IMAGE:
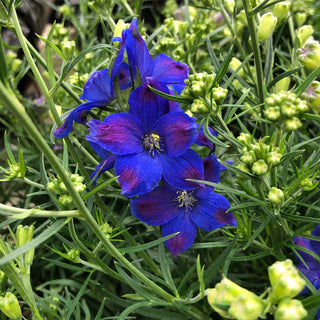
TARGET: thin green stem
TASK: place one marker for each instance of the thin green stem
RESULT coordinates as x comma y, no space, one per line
34,184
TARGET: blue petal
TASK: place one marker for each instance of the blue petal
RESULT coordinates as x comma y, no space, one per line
119,133
212,168
187,233
209,212
177,169
79,115
102,167
156,207
138,173
202,140
169,71
101,152
310,274
311,262
99,87
118,60
316,244
178,131
147,106
124,77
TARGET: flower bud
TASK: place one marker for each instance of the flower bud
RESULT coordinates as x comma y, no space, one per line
9,305
242,18
120,26
243,167
285,280
245,138
288,109
198,88
276,196
65,10
65,200
219,94
67,48
300,18
312,95
246,307
292,124
229,5
248,157
235,64
290,309
73,255
309,54
267,24
303,34
273,158
281,9
282,85
307,184
24,234
199,106
259,168
106,229
273,113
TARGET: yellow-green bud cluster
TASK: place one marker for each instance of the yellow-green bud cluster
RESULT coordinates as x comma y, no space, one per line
13,172
60,34
73,255
312,95
106,229
24,234
290,309
284,108
309,54
58,187
308,184
257,157
9,305
234,302
285,281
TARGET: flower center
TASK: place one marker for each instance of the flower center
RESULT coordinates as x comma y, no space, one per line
151,142
185,199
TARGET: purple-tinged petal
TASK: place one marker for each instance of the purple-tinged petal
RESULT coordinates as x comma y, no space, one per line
310,274
211,168
124,76
177,169
99,87
79,115
138,173
119,133
138,53
209,213
147,106
102,167
119,58
169,71
101,152
174,106
178,87
156,207
316,244
202,140
311,262
187,233
223,167
178,131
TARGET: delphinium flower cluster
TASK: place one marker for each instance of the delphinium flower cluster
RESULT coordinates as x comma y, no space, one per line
150,144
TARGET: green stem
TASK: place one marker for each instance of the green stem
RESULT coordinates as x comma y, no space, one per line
34,184
15,106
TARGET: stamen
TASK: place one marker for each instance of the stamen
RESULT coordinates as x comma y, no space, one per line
185,199
152,142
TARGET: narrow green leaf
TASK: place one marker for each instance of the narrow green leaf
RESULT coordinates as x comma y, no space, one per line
169,96
124,314
307,81
3,64
200,272
51,45
224,68
8,149
281,76
49,59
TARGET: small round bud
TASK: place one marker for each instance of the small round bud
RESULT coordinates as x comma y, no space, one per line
282,85
9,305
288,110
304,33
290,309
281,9
267,24
273,113
300,18
199,106
242,18
245,138
66,201
292,124
235,63
312,95
73,255
307,184
276,196
309,54
248,157
67,48
259,168
65,10
273,158
219,94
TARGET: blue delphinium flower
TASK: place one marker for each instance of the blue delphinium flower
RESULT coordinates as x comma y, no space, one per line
181,210
149,142
99,91
310,266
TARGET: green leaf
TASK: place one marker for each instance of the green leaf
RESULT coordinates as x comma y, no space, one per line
51,45
224,68
8,149
281,76
200,272
3,64
124,314
169,96
307,81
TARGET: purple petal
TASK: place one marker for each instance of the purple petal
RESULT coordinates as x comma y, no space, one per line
101,152
102,167
187,233
209,213
138,53
311,275
311,262
212,168
79,115
99,87
147,106
202,140
119,133
169,71
118,60
177,169
124,76
155,207
138,173
178,131
316,244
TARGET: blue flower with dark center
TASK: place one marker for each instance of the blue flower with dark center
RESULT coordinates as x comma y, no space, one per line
149,142
309,265
99,91
183,210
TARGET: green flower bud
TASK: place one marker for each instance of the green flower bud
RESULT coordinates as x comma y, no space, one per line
235,64
282,85
303,34
24,234
300,18
273,158
3,278
67,48
290,309
246,307
53,186
219,94
65,10
106,228
199,106
312,95
73,255
245,138
9,305
285,280
307,184
281,9
259,168
248,157
273,113
243,167
120,26
288,110
63,188
267,24
309,54
65,200
229,5
292,124
198,88
242,18
276,196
